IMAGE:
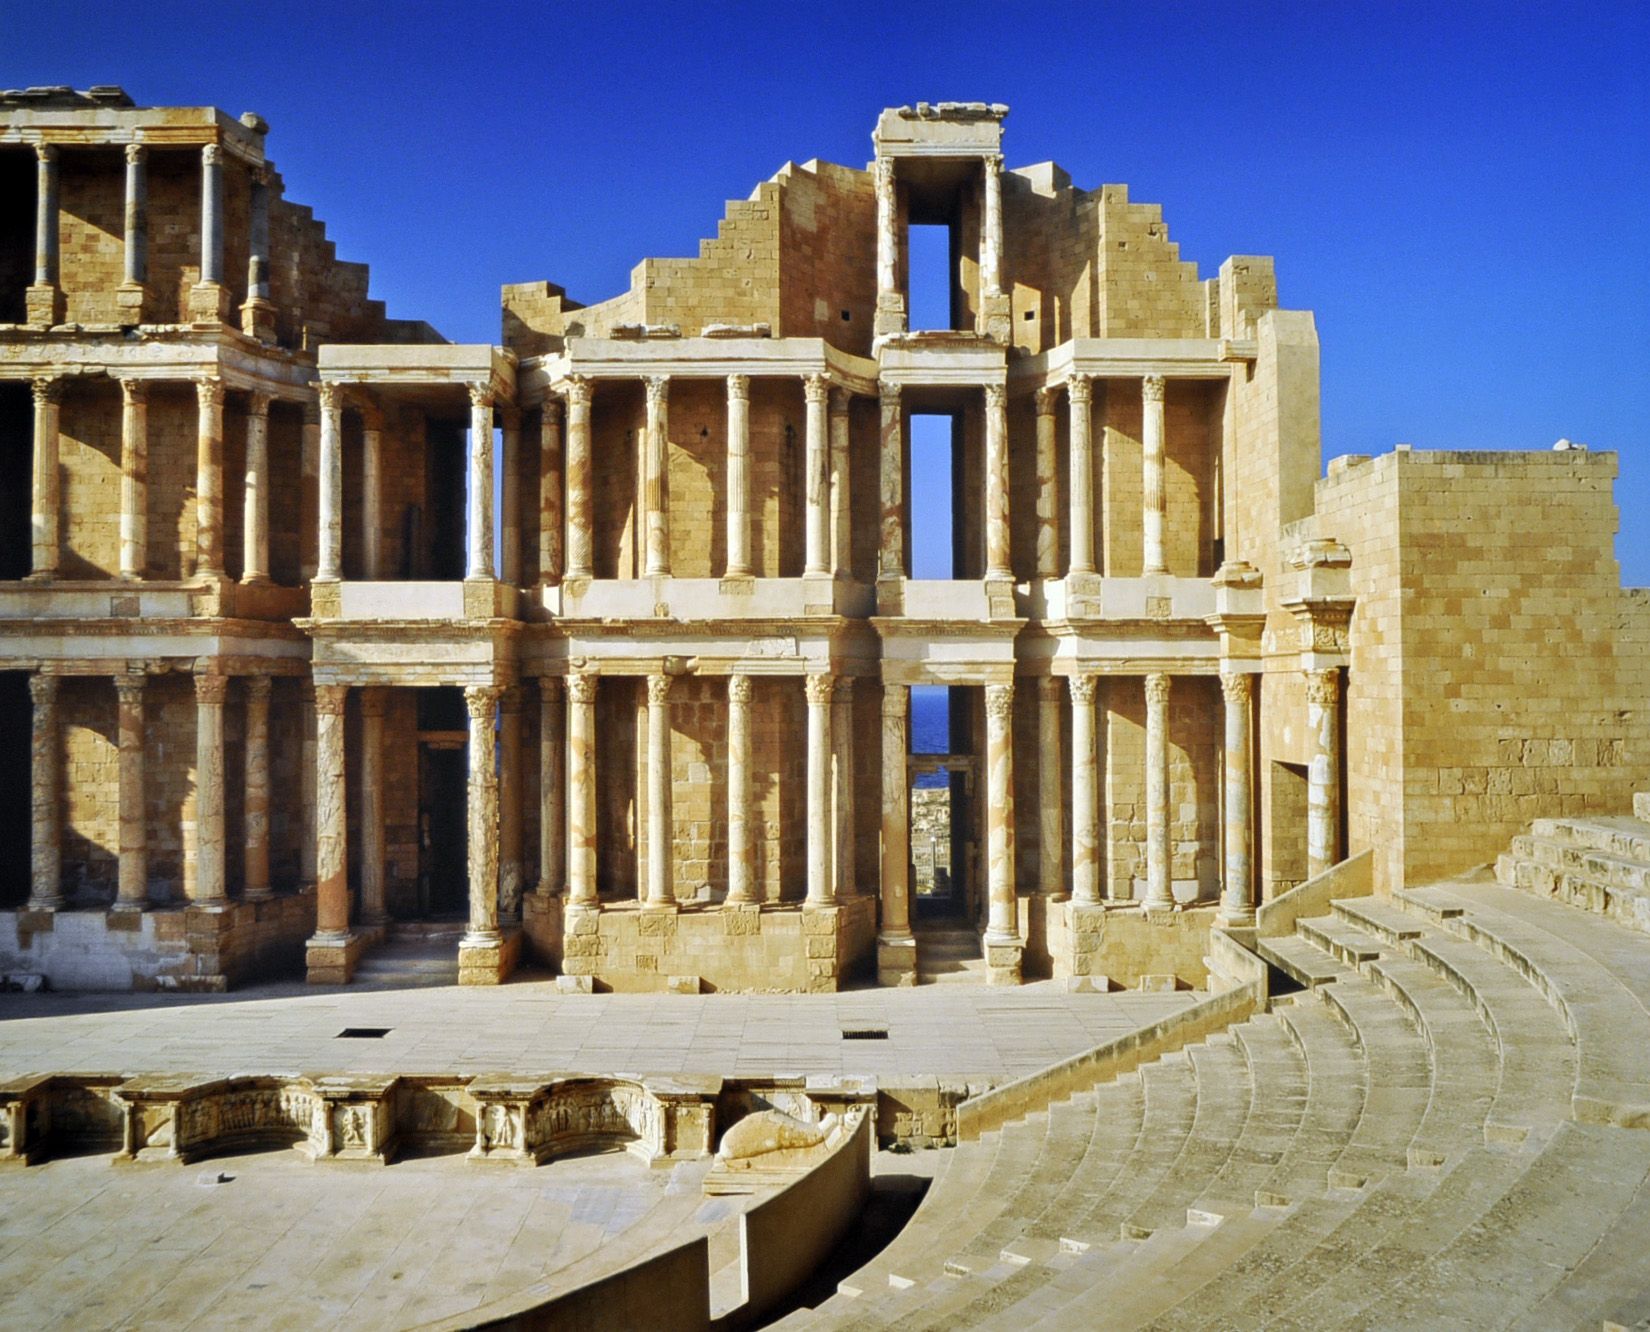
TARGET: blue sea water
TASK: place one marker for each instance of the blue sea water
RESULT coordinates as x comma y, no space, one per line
930,727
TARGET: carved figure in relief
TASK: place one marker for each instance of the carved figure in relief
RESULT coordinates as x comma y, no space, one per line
771,1139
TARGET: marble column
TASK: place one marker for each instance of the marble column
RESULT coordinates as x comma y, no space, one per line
656,479
843,877
310,487
480,514
579,519
132,891
1159,891
842,523
509,796
135,264
258,314
816,464
1085,792
1080,394
896,814
739,478
998,559
1048,474
581,791
372,494
255,862
209,478
46,778
991,227
1323,773
510,497
45,216
818,690
1002,925
741,852
481,701
210,692
373,704
331,833
255,514
1050,791
134,477
888,292
550,503
45,494
1152,463
660,840
330,566
891,547
212,214
552,793
1237,898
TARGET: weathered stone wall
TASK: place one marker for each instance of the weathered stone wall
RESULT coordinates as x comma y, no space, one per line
827,255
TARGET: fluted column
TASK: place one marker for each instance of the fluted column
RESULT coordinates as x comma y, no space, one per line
1080,394
842,525
134,477
1323,773
896,813
578,543
331,831
891,546
46,796
739,478
581,791
45,215
1048,473
741,853
1159,892
991,228
210,692
552,792
998,560
510,497
481,701
212,214
209,478
132,890
255,863
818,690
509,796
656,479
372,807
843,876
135,263
330,507
1002,925
44,489
1152,463
480,516
660,841
255,517
888,293
1050,790
372,494
1085,791
1237,898
816,462
550,495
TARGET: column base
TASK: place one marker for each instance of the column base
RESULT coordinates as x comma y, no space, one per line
329,959
818,593
889,320
1242,918
258,318
208,303
896,961
484,960
43,304
999,597
890,595
1002,961
129,300
995,319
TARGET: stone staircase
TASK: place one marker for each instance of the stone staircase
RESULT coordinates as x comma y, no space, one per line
1442,1128
949,957
1599,863
412,955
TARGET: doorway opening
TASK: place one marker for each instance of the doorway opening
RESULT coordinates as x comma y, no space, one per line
943,796
16,465
445,487
17,186
443,802
1286,829
16,727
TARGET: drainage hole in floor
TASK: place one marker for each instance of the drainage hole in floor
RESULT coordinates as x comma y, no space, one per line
865,1033
361,1033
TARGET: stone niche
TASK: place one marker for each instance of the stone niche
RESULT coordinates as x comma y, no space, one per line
527,1121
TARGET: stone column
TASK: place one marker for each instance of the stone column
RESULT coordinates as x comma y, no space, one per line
331,840
998,561
842,523
509,796
372,494
1151,444
135,268
843,877
256,860
212,214
890,305
1237,899
132,893
255,515
134,477
739,478
258,314
816,462
577,545
480,517
550,507
1323,773
1002,927
552,794
581,791
656,479
1050,791
1080,391
1085,791
660,891
991,228
209,478
45,493
44,300
46,783
1159,892
1048,472
309,489
741,866
330,566
818,690
210,691
482,703
510,497
891,558
896,813
372,807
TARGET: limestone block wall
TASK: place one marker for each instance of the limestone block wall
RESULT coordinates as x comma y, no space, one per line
1192,445
1276,455
1050,256
827,264
1145,290
91,230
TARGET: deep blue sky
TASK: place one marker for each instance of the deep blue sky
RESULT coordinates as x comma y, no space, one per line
1458,190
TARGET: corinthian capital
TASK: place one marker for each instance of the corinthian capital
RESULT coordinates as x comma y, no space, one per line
996,397
1083,689
481,701
817,689
1237,688
739,689
1323,688
1151,388
658,689
999,703
581,688
577,389
1158,686
816,388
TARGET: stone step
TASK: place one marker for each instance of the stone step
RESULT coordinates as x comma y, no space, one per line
1398,1087
1605,866
1598,895
1346,943
1301,960
1618,835
1378,917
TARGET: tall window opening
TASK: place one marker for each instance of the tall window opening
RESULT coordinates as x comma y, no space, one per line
931,276
934,458
17,188
16,467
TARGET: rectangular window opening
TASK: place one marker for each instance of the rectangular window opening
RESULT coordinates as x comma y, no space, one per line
933,495
930,277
